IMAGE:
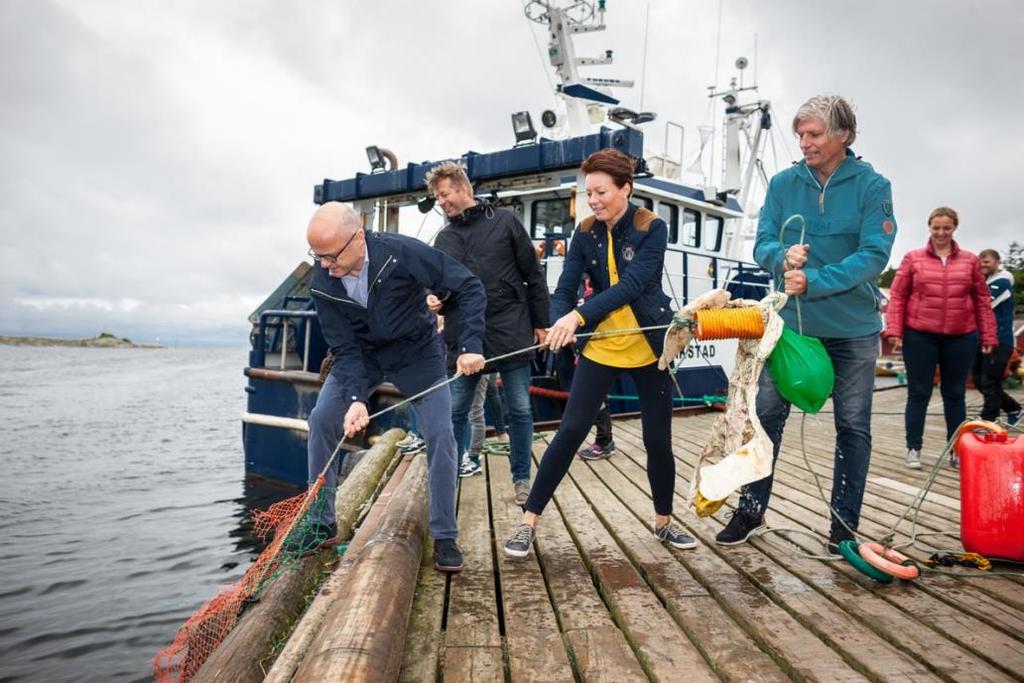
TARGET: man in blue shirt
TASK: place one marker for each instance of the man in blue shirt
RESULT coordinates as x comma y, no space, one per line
847,210
989,368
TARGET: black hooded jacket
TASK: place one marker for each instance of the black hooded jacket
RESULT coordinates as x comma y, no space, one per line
494,246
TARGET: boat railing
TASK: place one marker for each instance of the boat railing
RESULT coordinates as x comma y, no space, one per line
743,279
280,320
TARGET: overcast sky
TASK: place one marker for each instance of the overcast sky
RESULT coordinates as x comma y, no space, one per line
158,158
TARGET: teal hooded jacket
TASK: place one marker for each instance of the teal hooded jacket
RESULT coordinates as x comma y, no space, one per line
850,229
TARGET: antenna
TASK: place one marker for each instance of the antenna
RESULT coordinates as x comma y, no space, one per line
755,60
643,69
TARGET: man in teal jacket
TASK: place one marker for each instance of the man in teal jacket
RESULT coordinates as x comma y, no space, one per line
831,261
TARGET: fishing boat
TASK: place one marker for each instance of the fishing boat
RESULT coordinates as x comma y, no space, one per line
711,231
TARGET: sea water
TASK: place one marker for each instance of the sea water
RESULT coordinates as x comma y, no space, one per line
123,503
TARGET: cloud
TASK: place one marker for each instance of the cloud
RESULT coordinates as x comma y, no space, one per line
165,154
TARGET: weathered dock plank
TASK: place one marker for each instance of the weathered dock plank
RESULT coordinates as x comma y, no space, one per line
601,600
472,641
662,647
423,640
794,483
793,647
723,643
936,628
600,650
869,652
536,651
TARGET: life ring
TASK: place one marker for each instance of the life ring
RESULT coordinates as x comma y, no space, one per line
889,562
848,549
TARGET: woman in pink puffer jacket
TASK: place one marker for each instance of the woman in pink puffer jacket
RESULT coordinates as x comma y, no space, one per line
938,308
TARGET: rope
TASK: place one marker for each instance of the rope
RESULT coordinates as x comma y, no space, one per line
446,382
730,323
706,399
886,540
803,234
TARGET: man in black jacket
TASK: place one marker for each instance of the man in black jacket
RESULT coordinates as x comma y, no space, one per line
493,244
369,298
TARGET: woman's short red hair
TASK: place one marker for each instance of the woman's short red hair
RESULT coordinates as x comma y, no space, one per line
619,166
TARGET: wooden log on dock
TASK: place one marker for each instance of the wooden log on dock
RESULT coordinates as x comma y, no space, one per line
294,651
245,653
363,636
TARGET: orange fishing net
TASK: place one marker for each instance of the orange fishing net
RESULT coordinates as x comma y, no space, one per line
210,624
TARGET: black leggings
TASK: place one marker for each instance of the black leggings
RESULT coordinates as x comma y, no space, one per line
590,386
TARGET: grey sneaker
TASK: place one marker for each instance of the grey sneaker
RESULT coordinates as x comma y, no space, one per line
469,467
411,444
522,488
518,544
914,458
1013,419
673,534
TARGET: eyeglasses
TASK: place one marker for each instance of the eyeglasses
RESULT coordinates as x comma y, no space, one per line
331,259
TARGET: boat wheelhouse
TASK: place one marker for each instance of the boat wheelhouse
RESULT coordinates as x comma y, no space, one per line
539,180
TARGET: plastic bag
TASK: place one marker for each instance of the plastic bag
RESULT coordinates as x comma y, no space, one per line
802,371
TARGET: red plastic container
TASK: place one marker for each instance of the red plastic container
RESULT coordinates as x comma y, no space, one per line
992,495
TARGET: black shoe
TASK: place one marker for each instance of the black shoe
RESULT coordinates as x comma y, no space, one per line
308,537
447,556
837,536
741,527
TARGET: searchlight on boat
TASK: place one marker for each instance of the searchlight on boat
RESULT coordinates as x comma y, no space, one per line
522,126
380,158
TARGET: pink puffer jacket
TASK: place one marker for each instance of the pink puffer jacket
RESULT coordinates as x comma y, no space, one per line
952,299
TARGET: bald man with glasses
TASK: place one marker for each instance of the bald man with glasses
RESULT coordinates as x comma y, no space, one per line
370,297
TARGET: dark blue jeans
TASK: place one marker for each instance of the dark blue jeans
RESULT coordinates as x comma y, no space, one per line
516,381
954,355
495,405
854,363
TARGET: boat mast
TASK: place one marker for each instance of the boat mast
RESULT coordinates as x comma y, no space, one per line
585,101
751,121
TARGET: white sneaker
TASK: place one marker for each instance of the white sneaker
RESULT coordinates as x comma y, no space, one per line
914,459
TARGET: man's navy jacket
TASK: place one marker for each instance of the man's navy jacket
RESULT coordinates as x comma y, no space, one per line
395,336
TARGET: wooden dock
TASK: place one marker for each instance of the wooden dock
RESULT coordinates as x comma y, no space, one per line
600,599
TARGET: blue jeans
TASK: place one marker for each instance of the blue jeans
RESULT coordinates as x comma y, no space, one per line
954,355
516,380
854,363
486,396
432,411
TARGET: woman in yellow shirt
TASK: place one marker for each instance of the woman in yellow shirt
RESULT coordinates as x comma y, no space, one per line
622,249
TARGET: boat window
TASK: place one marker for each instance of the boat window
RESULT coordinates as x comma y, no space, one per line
713,232
550,215
691,228
670,214
645,202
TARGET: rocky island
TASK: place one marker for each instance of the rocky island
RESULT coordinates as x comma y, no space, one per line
104,340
